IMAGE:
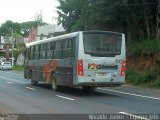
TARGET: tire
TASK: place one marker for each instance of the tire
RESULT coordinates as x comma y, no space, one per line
30,75
34,82
54,85
89,88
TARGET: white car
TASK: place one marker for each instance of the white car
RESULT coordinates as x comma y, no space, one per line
5,66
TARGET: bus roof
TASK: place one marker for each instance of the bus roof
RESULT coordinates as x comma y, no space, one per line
99,31
69,35
52,39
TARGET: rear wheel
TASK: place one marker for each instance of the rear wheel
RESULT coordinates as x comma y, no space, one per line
34,82
54,85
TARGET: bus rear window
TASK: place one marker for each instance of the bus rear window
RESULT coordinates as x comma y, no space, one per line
102,44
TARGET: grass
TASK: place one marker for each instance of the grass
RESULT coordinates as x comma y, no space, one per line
146,79
144,47
18,68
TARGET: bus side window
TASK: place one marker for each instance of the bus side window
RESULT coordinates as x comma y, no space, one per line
43,51
52,46
49,53
48,46
64,51
71,48
58,50
31,52
36,52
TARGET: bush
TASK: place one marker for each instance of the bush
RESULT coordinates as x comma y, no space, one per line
137,78
135,50
18,68
157,82
150,76
144,47
134,77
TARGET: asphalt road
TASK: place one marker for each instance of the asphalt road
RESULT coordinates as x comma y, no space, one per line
18,96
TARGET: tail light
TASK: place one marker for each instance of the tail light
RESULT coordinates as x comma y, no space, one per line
80,69
123,69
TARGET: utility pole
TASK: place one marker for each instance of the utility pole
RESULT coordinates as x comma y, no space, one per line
158,20
12,49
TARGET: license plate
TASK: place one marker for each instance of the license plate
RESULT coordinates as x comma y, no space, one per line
103,75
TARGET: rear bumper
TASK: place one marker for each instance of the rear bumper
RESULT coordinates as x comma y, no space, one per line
101,84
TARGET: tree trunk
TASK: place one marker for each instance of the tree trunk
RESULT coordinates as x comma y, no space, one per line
146,22
7,52
147,26
158,21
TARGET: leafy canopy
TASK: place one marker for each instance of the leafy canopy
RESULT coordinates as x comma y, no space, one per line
136,18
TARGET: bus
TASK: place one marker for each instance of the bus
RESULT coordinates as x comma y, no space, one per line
87,59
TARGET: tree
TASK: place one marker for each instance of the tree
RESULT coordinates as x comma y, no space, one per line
83,14
135,18
21,47
9,27
69,13
39,19
26,27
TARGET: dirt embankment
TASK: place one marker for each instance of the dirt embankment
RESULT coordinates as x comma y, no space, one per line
144,62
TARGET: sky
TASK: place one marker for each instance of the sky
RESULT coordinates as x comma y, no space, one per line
25,10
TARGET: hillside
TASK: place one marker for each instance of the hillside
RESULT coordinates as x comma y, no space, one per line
143,63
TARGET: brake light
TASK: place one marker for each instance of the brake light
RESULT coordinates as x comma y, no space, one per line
123,69
80,68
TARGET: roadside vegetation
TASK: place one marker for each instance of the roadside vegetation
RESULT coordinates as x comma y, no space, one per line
146,75
18,68
144,47
146,79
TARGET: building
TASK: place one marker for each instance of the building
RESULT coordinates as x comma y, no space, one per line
5,47
32,35
46,31
25,40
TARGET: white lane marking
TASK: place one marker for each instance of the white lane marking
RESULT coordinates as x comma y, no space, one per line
13,73
134,117
65,97
31,88
9,82
132,94
16,74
